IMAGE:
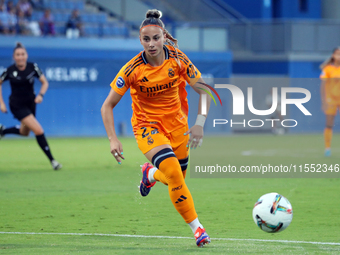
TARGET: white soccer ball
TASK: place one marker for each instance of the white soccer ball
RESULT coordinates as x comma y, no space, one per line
272,213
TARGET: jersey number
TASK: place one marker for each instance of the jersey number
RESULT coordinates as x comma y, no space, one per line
153,131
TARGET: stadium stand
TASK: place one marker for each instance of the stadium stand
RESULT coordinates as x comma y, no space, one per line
95,21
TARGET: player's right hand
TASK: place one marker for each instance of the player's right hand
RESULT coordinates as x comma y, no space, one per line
117,150
3,108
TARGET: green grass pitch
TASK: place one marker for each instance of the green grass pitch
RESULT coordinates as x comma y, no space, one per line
94,195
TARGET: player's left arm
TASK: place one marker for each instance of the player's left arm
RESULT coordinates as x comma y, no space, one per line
196,131
43,89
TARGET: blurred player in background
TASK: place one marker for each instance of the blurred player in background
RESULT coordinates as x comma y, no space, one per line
330,94
157,78
23,100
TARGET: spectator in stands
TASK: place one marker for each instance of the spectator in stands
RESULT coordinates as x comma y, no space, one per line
22,24
4,24
47,23
10,5
3,6
74,25
12,21
26,7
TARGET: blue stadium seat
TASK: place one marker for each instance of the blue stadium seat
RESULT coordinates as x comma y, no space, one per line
85,18
101,18
88,30
115,31
91,30
60,30
106,31
79,5
92,18
96,30
36,16
70,5
52,5
61,5
66,16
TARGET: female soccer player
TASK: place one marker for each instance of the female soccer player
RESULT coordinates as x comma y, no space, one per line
157,77
23,100
330,94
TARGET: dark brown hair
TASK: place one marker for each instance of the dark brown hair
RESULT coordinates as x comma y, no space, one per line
19,45
329,60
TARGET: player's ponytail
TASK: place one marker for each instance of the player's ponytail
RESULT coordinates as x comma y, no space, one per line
153,19
329,60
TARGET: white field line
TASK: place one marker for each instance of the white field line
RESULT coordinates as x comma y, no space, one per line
169,237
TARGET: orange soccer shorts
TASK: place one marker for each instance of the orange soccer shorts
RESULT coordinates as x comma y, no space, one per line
150,137
332,105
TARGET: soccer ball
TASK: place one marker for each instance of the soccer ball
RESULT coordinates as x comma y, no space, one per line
272,213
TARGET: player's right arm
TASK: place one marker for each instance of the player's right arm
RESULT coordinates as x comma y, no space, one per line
115,145
2,103
119,86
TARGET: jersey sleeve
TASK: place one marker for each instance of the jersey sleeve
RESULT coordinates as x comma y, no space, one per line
188,71
325,73
121,82
37,70
4,75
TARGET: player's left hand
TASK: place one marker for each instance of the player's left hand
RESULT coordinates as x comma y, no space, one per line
196,137
38,99
3,108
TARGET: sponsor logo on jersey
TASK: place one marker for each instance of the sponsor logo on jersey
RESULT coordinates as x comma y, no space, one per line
171,72
120,82
157,88
191,71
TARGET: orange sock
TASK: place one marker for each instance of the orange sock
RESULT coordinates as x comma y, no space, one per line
159,176
328,137
171,174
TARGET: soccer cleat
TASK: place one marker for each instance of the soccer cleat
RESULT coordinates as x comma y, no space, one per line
145,185
56,165
327,152
202,237
2,128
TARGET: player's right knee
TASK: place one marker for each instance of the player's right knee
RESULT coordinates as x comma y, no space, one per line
165,160
162,155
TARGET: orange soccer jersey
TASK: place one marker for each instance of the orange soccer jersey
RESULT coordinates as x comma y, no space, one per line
331,74
158,93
